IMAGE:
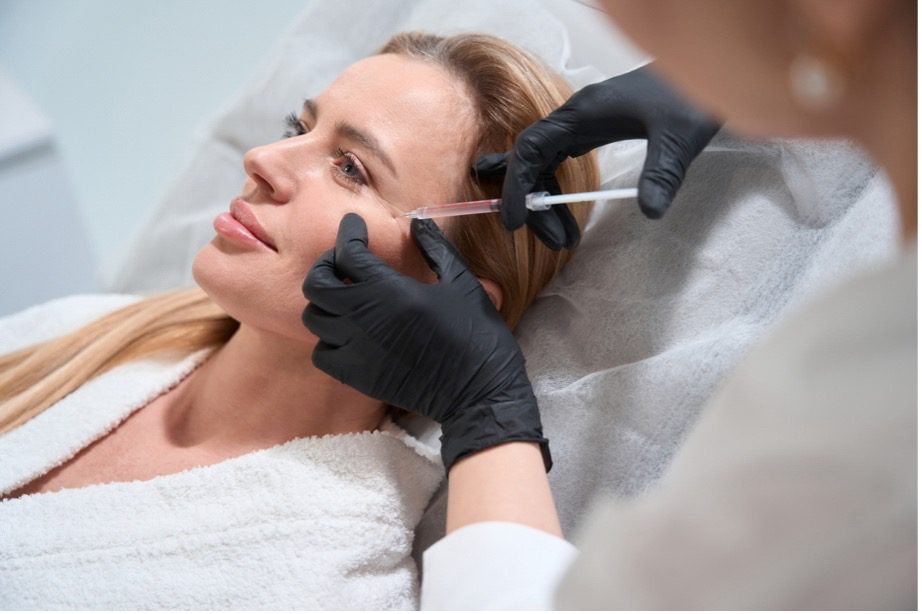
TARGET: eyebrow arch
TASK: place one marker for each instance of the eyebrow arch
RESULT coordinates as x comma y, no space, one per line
350,132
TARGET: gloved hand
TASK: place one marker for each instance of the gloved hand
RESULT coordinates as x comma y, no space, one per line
440,350
635,105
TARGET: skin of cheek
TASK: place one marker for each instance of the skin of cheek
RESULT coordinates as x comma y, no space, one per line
246,285
389,235
263,289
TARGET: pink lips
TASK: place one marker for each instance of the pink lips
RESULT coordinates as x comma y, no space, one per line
242,227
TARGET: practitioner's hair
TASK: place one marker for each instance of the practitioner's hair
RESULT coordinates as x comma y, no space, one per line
509,88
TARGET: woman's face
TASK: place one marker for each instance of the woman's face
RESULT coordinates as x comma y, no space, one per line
389,135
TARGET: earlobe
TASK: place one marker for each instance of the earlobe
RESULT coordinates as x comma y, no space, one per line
493,291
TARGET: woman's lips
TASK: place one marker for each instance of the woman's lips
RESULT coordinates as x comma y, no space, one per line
242,227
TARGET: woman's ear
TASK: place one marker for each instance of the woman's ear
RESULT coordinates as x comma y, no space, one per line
493,291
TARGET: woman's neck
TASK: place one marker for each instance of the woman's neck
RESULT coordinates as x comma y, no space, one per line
260,390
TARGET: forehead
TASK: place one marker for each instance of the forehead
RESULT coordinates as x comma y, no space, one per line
421,115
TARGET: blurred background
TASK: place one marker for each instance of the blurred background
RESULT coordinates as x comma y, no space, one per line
100,101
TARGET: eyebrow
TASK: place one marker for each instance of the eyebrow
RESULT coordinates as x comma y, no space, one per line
350,132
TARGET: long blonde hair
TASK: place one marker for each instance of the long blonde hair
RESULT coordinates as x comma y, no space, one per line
510,89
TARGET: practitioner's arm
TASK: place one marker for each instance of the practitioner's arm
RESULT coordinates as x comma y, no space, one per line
443,351
504,483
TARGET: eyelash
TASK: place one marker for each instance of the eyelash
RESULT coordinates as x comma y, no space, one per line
296,128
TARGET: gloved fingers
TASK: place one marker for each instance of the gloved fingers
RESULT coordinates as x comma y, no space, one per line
438,251
547,182
344,362
321,278
538,151
329,328
353,259
490,166
324,287
662,174
555,227
569,225
671,149
325,358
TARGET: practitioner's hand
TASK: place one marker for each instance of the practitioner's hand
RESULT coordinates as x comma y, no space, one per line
440,350
635,105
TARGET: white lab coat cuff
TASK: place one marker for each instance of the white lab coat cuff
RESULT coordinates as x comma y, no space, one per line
496,566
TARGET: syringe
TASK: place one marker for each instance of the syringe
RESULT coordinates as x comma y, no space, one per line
536,201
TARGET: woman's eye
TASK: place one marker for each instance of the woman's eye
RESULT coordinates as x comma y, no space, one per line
295,127
349,167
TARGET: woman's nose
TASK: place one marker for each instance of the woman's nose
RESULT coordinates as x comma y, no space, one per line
270,168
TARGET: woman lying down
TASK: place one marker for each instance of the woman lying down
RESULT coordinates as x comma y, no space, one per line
182,451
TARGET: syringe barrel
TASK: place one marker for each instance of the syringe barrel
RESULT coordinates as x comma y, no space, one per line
456,209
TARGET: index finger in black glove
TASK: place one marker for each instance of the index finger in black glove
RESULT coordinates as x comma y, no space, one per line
353,258
667,161
349,260
439,253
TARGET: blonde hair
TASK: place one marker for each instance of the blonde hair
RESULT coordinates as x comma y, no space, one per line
510,90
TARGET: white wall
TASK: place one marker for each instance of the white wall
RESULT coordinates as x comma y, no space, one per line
125,85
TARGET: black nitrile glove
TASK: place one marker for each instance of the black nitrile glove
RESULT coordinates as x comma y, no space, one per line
440,350
635,105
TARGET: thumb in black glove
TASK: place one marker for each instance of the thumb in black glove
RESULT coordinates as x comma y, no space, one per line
440,350
635,105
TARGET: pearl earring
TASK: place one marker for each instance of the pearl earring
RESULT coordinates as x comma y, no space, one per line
816,84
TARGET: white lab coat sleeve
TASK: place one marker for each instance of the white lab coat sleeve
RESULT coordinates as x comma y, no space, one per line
494,566
797,488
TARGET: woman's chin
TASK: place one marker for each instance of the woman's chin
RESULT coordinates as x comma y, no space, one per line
201,266
252,300
213,275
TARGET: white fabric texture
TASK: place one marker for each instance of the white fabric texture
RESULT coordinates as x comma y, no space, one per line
628,343
796,490
315,523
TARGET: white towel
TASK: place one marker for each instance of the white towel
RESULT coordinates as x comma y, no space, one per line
315,523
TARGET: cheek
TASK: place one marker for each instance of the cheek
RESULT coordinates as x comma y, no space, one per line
263,290
393,243
254,289
389,238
